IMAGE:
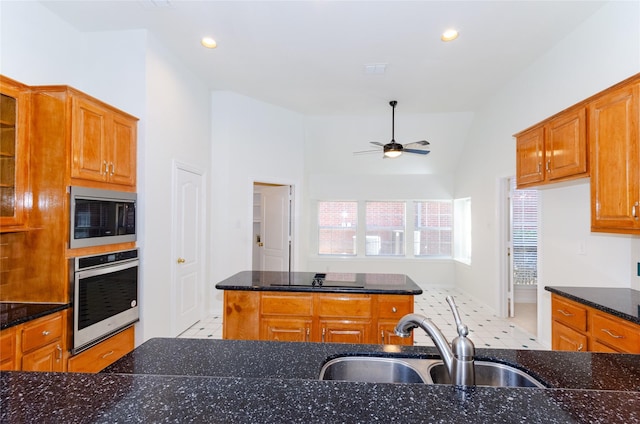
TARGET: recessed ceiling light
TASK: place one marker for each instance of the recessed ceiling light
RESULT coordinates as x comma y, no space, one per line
209,43
449,35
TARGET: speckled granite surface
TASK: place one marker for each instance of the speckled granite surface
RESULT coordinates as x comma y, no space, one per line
333,283
14,313
225,381
620,302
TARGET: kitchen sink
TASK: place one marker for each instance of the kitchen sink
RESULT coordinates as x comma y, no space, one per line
487,374
373,369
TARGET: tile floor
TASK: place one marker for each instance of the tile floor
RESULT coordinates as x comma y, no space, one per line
486,330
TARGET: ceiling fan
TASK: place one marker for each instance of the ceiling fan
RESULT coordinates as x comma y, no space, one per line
393,149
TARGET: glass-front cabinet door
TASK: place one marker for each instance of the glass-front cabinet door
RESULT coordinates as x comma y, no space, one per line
14,159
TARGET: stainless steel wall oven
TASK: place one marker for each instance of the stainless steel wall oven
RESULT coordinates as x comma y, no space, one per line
105,298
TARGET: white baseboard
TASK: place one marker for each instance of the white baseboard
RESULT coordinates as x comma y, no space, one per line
526,294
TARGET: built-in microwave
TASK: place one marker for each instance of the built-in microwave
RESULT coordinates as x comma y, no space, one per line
100,217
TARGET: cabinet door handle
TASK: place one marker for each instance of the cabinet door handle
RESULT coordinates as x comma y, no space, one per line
615,336
634,210
580,347
548,165
323,332
46,333
113,168
106,168
58,352
307,338
566,314
382,336
539,167
107,354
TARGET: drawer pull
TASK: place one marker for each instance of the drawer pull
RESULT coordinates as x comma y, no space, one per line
394,309
46,333
107,354
615,336
566,314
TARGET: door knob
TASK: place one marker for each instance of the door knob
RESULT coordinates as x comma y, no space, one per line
181,260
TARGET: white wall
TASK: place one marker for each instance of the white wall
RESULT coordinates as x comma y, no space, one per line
251,141
130,71
604,50
335,173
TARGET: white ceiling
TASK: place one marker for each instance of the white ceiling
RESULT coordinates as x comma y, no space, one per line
309,56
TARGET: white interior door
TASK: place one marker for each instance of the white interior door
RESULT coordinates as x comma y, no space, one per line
275,252
187,285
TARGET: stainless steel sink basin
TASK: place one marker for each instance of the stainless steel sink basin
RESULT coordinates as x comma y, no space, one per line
374,369
488,374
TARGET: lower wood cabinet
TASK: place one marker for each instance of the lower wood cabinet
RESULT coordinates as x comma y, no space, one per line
314,317
103,354
578,327
37,345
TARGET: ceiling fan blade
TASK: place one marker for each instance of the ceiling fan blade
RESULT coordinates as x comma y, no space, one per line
376,143
418,151
364,152
421,143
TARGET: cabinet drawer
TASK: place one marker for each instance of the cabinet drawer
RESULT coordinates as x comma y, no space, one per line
103,354
41,332
344,306
616,333
394,307
569,313
283,304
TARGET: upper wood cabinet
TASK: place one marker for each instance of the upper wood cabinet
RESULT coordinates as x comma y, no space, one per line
14,154
554,150
100,139
614,118
103,143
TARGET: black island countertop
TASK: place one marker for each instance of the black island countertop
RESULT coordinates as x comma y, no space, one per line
332,282
620,302
14,313
227,381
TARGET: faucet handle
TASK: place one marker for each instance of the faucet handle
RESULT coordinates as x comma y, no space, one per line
463,330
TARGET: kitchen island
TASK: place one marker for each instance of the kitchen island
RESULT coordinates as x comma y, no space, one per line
225,381
316,307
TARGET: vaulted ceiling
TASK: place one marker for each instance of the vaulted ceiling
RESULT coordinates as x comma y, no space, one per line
312,56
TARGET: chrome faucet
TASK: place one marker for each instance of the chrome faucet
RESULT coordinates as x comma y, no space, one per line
457,357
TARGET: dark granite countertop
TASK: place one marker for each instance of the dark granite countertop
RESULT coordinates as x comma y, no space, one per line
224,381
14,313
331,283
621,302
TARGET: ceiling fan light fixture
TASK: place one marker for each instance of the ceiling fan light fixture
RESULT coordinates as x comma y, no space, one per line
392,153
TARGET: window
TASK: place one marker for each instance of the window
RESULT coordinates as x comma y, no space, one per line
385,227
524,234
462,230
337,224
432,235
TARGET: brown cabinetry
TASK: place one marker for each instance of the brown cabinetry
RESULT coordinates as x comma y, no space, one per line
14,154
37,345
103,354
614,121
579,327
315,317
554,150
103,143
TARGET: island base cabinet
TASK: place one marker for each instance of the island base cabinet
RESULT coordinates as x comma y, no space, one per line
314,317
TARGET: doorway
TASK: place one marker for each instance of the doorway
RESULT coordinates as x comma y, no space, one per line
187,282
272,227
520,246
